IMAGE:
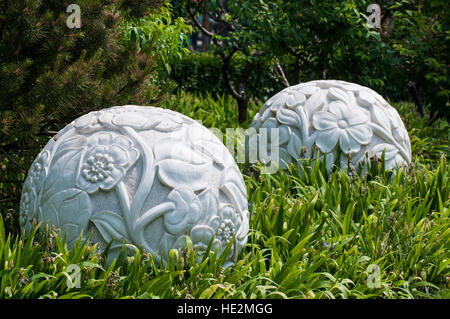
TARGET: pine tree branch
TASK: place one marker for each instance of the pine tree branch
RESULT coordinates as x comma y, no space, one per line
11,181
13,160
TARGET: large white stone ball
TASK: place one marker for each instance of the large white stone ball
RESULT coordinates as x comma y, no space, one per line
141,175
322,117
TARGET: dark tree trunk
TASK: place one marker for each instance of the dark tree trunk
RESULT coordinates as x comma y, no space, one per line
417,98
240,94
242,110
239,91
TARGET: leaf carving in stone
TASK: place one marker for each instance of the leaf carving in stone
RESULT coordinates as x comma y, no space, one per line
288,117
111,226
58,210
379,117
294,146
305,89
173,173
294,99
334,114
186,213
314,103
338,94
389,151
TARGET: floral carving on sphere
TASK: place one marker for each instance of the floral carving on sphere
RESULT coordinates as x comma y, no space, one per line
322,117
106,159
139,175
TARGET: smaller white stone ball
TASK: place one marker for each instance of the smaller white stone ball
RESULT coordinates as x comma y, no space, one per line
322,117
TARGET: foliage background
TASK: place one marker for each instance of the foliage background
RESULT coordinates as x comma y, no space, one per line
321,39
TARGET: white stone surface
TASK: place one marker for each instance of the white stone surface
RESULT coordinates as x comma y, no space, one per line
143,175
326,115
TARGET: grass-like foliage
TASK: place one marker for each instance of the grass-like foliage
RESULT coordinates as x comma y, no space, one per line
311,236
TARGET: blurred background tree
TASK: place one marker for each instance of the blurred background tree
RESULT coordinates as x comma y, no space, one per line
255,48
420,36
295,40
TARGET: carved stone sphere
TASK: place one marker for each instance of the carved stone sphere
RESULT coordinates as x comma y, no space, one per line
145,176
343,121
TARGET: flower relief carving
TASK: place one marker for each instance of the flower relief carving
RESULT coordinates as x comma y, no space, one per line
106,159
142,175
327,115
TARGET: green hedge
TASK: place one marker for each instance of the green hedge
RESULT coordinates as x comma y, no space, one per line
201,72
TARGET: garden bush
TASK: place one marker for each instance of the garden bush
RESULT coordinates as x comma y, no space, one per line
201,72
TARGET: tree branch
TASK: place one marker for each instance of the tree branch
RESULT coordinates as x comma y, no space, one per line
217,19
279,71
226,74
198,24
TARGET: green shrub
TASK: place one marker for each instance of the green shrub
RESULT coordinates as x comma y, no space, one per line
201,72
218,111
428,142
420,39
159,34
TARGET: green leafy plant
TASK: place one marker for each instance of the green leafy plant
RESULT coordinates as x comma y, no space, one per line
200,72
161,35
419,35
